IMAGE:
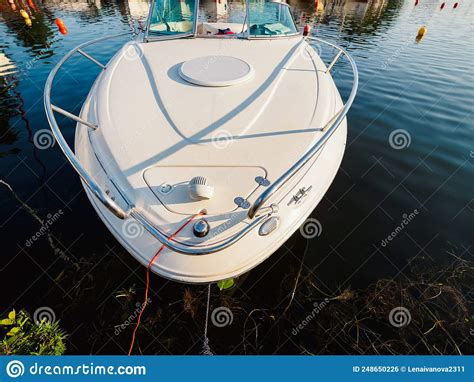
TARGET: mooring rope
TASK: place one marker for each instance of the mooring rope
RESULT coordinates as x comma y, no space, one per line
206,349
145,303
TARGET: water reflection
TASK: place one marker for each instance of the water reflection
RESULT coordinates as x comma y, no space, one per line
8,105
423,88
36,35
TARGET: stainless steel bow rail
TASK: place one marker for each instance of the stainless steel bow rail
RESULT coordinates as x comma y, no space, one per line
337,119
256,213
51,109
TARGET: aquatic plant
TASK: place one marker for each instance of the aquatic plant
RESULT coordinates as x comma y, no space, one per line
22,336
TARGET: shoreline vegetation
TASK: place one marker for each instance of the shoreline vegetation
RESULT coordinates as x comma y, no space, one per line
426,310
433,315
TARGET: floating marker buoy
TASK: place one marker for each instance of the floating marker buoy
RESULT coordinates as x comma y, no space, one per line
62,28
421,33
306,30
442,5
455,5
31,3
318,6
11,1
24,14
416,3
26,17
59,23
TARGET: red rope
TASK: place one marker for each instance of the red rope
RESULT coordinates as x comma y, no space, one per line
142,309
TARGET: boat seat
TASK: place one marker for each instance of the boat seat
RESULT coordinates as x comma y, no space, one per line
213,28
174,26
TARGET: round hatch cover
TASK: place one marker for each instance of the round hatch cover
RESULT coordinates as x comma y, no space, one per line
216,71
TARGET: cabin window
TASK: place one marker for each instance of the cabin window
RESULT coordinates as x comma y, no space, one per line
171,17
270,18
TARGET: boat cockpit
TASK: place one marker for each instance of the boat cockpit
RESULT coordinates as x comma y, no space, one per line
222,19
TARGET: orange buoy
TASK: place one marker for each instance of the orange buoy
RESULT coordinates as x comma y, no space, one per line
59,23
31,3
61,26
455,5
442,5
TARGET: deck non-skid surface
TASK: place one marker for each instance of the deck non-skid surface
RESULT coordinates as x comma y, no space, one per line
149,117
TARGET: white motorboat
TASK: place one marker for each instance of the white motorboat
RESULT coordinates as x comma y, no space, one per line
215,132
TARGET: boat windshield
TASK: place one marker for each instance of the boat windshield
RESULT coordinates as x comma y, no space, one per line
221,18
270,18
172,17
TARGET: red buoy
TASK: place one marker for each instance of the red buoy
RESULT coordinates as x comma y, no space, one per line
306,30
62,28
316,4
59,23
442,5
455,5
416,3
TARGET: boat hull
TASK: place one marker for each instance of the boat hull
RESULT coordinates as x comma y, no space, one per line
252,249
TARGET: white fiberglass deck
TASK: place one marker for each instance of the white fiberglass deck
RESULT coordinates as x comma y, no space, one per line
150,117
156,128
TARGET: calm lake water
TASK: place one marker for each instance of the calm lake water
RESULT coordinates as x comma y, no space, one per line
410,148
